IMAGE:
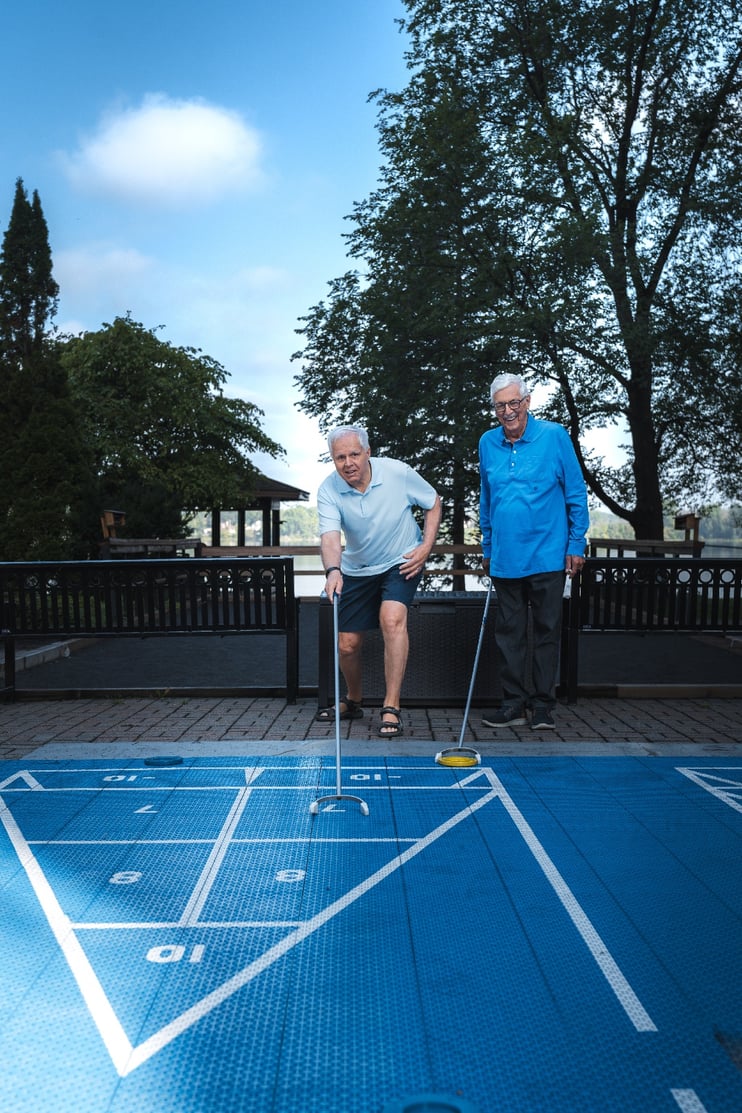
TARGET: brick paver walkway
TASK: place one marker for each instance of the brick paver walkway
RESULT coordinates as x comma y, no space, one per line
270,725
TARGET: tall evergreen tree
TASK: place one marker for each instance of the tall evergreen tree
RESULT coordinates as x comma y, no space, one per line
42,459
28,301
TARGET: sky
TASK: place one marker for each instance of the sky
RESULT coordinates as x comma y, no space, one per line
196,164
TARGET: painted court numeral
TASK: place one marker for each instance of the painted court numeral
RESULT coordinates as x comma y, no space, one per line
125,877
291,875
175,952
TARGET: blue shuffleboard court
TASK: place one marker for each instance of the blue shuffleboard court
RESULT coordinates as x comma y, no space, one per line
534,934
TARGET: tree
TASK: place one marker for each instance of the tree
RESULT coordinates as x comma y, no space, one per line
164,437
600,213
29,293
408,344
42,459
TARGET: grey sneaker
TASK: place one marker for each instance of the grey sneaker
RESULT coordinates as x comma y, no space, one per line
505,716
541,719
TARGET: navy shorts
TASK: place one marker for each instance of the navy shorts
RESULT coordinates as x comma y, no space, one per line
362,596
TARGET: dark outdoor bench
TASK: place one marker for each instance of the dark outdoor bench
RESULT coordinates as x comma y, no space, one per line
148,598
649,595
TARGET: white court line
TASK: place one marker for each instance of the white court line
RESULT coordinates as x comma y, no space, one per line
127,1058
161,788
124,1056
120,842
27,780
167,789
236,769
212,1000
209,873
147,925
136,841
629,1001
113,1035
707,782
688,1101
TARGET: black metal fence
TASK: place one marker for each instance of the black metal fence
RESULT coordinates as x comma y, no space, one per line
145,598
649,594
255,595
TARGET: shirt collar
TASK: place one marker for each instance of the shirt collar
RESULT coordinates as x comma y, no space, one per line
526,435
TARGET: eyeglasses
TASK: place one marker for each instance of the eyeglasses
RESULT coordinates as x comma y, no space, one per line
514,404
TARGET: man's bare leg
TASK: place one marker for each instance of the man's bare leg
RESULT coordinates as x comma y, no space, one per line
350,646
393,622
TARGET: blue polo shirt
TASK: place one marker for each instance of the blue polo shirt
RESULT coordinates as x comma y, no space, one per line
378,523
533,501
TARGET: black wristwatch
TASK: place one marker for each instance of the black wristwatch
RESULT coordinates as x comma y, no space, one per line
333,568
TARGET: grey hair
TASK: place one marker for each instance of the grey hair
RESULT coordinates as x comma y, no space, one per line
508,379
347,431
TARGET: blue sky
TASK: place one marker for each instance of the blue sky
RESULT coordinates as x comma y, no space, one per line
195,163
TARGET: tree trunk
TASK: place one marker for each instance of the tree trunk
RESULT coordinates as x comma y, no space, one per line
458,523
647,515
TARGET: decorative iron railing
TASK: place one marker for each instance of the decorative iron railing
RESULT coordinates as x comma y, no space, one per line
144,598
649,594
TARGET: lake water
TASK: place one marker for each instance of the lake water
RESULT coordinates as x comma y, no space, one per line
310,583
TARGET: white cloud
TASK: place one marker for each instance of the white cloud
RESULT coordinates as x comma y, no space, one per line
167,152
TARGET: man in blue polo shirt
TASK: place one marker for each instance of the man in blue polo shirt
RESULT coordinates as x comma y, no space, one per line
534,520
370,500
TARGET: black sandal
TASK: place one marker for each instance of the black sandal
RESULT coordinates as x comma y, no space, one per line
391,730
353,710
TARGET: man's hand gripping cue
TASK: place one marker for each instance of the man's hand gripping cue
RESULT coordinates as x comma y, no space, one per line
573,565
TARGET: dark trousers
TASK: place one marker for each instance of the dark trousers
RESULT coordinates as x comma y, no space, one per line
543,593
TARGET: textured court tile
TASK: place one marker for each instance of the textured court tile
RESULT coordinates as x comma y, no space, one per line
538,933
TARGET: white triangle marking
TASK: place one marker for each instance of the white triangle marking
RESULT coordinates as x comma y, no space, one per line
25,777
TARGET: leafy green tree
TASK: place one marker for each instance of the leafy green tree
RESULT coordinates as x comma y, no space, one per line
164,437
299,525
42,458
589,154
406,350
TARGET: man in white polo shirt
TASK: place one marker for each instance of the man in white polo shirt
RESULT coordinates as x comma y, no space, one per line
370,499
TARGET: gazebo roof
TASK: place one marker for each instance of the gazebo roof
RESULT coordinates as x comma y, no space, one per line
267,488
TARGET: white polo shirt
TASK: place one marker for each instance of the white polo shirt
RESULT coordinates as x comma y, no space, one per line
378,523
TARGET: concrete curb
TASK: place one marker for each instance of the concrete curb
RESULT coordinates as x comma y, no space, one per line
51,651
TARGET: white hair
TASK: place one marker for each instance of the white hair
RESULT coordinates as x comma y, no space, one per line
508,379
347,431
